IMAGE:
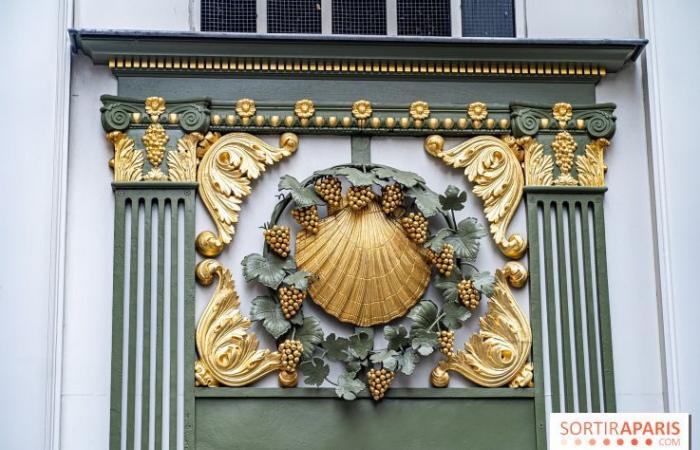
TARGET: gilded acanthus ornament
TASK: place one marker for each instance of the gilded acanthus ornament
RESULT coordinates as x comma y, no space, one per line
128,162
538,166
562,112
498,353
227,352
224,175
304,109
564,147
493,168
245,108
419,110
591,166
477,111
182,164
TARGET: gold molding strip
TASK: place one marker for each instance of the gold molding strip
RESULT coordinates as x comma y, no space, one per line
285,65
498,353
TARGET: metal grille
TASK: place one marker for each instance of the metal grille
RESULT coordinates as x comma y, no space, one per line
359,17
294,16
236,16
423,18
485,18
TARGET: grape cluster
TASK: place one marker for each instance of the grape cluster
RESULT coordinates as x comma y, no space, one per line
278,239
307,217
446,340
445,260
290,352
290,300
330,191
360,196
416,227
392,197
379,381
468,294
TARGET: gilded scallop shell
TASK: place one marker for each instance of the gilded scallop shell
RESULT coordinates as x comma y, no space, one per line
369,272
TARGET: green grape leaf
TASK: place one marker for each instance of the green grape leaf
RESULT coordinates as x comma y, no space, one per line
448,286
360,345
297,319
348,386
302,196
357,177
365,330
408,179
484,282
424,341
453,199
310,334
455,314
335,347
396,337
268,270
407,361
436,242
387,358
424,314
299,279
268,311
353,365
427,201
315,371
466,240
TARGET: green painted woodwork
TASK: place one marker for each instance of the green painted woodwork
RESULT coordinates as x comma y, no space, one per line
475,418
608,53
329,423
145,200
565,295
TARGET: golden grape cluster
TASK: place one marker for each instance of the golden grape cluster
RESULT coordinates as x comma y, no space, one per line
278,239
392,197
416,227
330,191
468,294
379,381
290,300
446,340
307,217
290,353
445,260
360,196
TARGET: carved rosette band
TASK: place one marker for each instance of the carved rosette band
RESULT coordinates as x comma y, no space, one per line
498,353
228,352
494,169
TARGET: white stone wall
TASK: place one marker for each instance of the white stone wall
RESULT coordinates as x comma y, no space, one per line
651,197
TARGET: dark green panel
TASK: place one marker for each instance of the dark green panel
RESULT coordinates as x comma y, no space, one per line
329,90
328,423
553,204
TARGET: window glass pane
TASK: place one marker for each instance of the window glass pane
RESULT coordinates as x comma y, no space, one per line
423,17
488,18
359,16
294,16
228,15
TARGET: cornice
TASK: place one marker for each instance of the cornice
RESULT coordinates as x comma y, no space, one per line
223,53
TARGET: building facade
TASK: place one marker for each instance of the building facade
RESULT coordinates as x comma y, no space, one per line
62,259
